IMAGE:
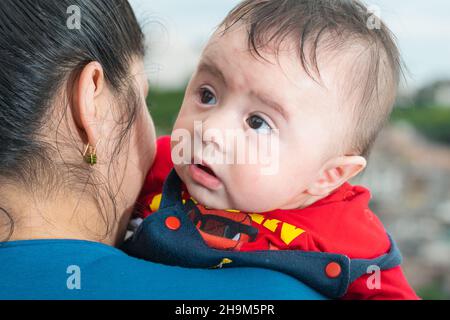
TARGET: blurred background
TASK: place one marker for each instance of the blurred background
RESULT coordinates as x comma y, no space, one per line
409,169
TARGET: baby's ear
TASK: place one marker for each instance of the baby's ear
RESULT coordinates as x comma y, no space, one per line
335,173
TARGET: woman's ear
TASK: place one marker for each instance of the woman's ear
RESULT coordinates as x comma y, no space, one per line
335,173
87,99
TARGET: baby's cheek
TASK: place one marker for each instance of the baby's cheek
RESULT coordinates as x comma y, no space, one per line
252,191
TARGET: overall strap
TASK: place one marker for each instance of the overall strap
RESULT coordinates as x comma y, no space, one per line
360,267
171,195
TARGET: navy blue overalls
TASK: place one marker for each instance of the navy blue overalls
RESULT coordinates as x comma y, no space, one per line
182,245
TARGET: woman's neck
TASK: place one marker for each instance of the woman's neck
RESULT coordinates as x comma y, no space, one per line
59,217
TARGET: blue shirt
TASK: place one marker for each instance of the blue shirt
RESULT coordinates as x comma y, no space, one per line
74,269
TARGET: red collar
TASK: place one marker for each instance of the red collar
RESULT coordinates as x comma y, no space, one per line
343,193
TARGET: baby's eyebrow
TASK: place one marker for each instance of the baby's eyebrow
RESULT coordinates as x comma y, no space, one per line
208,66
272,104
211,68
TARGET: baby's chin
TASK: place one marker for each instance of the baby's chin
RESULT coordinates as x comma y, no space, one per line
215,200
207,198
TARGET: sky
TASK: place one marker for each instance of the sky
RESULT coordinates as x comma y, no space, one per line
177,30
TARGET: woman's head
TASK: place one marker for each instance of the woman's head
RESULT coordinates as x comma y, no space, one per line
63,88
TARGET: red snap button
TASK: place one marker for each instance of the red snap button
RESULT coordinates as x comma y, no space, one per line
173,223
333,270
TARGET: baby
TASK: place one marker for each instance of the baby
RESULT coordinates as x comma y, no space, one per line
314,79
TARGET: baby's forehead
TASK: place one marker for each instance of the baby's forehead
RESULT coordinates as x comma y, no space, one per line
332,71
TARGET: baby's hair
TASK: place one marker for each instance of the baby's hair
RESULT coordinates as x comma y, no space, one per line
334,25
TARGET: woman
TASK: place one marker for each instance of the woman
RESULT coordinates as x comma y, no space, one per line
75,143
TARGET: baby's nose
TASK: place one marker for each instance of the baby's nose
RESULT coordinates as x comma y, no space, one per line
213,130
212,135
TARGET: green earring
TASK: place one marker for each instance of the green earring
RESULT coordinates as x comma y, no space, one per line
90,155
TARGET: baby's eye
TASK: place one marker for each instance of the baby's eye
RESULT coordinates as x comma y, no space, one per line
259,124
207,97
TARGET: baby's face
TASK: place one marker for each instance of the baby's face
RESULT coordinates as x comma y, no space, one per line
276,102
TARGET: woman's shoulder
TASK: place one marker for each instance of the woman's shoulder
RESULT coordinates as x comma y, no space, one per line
72,269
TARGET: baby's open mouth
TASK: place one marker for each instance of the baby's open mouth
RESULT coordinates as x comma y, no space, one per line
208,170
205,176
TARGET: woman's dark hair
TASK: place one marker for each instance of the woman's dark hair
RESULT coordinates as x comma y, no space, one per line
42,49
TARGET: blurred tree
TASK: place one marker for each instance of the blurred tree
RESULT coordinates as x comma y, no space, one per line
434,94
164,107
